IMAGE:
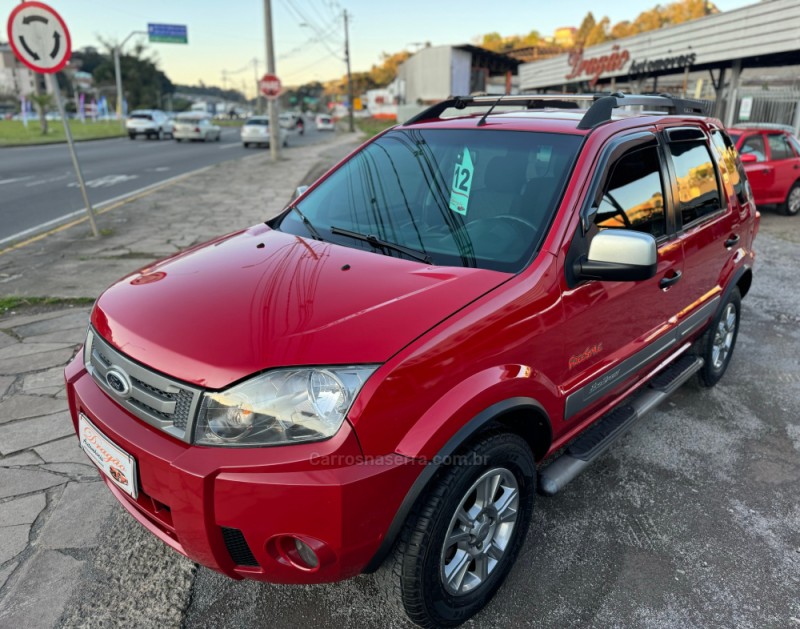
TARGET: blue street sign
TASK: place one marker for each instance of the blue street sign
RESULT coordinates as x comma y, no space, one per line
168,33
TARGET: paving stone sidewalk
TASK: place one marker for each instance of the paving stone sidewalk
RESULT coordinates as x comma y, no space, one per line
69,556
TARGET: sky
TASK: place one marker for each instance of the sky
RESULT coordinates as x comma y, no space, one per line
226,35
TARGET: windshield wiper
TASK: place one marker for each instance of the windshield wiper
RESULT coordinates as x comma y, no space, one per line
311,229
384,244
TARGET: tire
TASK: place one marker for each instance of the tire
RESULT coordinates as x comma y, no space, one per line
132,136
179,139
160,135
439,584
246,145
717,344
285,144
791,207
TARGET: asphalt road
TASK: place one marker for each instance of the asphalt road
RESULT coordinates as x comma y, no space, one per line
38,186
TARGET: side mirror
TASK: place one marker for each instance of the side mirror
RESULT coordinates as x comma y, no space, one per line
300,190
748,158
619,255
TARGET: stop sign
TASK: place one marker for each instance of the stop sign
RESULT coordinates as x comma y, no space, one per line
270,86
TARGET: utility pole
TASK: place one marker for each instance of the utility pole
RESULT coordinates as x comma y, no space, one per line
258,91
272,103
349,76
118,74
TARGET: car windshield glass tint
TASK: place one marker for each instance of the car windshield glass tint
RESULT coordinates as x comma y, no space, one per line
142,116
260,123
476,198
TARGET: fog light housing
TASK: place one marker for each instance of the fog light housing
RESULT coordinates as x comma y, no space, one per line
308,556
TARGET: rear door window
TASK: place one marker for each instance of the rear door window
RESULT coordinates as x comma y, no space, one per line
698,189
779,147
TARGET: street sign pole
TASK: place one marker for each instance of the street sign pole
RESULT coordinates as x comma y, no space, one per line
75,162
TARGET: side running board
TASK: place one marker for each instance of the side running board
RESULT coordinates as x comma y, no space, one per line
599,437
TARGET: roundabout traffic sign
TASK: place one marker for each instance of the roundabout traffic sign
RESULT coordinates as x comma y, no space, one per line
270,86
39,37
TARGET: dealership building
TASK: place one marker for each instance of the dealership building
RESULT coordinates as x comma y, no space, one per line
746,60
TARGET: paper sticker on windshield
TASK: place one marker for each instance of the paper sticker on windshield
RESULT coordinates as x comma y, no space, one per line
462,184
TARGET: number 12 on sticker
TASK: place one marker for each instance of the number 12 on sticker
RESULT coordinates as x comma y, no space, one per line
462,184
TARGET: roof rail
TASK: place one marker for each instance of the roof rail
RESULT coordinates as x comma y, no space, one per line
600,111
531,101
603,107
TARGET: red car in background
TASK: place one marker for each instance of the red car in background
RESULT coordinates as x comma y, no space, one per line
770,154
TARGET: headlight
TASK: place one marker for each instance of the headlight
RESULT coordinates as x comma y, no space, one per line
280,407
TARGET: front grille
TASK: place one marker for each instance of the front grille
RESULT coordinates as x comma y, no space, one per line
237,547
159,400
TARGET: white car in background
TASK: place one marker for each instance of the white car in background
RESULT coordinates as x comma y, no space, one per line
196,126
324,122
151,123
255,130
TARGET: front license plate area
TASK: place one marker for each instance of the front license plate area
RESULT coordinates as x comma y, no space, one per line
113,461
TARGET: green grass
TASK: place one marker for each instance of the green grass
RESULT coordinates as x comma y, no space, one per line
373,126
13,132
15,303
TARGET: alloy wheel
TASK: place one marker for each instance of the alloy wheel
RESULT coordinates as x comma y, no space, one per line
723,337
480,531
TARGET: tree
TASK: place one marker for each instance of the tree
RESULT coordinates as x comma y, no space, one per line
598,34
43,102
585,28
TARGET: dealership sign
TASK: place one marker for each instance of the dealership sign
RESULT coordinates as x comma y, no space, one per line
593,68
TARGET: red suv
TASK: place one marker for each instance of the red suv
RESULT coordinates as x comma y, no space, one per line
771,157
462,310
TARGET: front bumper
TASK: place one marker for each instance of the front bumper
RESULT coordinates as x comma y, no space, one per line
192,497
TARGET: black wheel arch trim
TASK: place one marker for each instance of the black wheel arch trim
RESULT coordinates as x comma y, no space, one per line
468,430
733,283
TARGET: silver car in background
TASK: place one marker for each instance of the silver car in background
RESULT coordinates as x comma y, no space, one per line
151,123
255,131
196,126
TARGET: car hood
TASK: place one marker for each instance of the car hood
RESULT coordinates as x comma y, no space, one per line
260,299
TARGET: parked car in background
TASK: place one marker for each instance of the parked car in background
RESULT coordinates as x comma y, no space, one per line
196,126
381,376
771,157
292,121
324,122
255,130
151,123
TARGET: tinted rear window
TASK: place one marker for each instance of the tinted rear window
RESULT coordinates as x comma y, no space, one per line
474,198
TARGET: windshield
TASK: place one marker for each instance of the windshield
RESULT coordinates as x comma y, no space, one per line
474,197
734,135
263,122
142,116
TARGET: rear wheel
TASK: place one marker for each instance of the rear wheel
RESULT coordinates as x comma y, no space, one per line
247,145
132,136
464,534
791,206
717,344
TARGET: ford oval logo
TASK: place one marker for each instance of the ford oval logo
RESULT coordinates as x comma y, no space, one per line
119,382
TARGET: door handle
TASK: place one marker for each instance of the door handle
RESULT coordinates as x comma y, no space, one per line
734,239
666,282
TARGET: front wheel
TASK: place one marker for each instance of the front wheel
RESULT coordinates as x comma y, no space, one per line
717,344
791,206
464,534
